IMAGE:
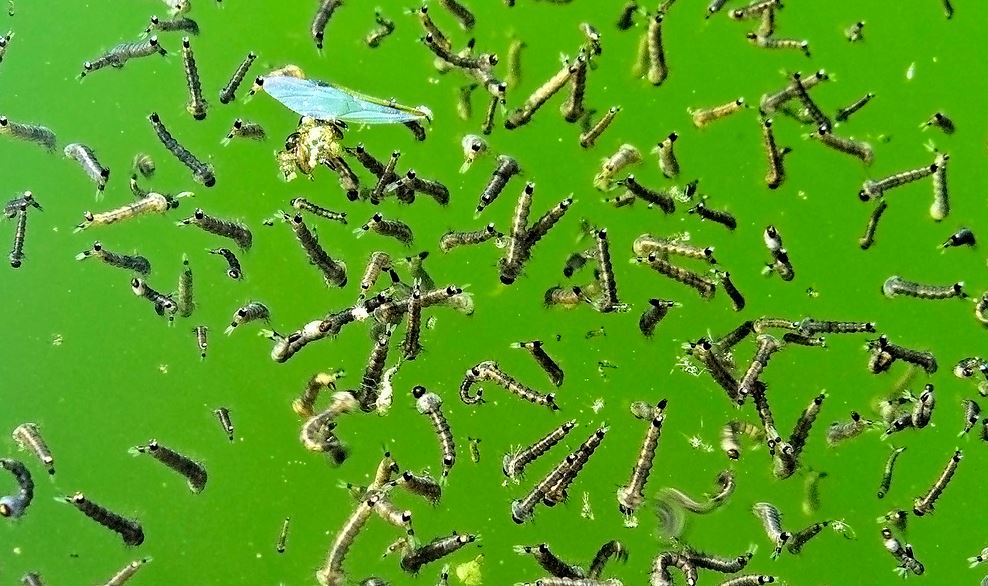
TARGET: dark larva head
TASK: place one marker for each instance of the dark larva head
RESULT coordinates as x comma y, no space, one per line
234,274
153,117
418,391
199,214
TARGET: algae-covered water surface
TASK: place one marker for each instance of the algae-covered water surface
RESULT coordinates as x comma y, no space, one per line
580,257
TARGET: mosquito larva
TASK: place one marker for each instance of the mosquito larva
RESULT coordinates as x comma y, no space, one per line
844,113
28,437
514,463
775,174
657,71
253,310
196,105
940,207
90,165
872,189
737,299
333,271
331,573
225,228
704,116
390,228
705,287
541,95
244,129
128,529
229,91
430,405
572,108
323,13
194,472
858,149
163,304
841,431
941,121
542,358
754,9
895,286
201,172
35,133
855,33
767,42
549,561
589,137
134,263
719,216
924,504
385,27
868,239
631,495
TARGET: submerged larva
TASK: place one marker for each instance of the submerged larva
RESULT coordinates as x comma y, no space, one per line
390,228
704,286
551,368
721,217
186,301
229,91
573,108
868,239
225,228
895,286
201,172
331,573
385,27
333,271
245,129
590,136
175,24
886,482
436,549
549,561
253,310
840,431
163,304
541,95
514,463
28,437
196,105
704,116
657,71
41,135
668,163
430,405
654,313
844,113
924,504
871,189
233,263
130,262
15,505
858,149
194,472
323,13
631,495
129,530
90,165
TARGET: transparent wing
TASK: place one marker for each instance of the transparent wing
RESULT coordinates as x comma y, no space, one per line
326,102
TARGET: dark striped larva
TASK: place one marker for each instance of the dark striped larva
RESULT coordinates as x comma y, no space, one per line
941,121
590,136
703,285
546,221
514,463
331,573
771,102
704,116
202,339
883,486
196,105
87,159
871,189
962,237
737,299
22,201
201,172
518,248
379,262
226,423
866,241
411,345
452,239
424,486
611,549
631,495
333,271
175,24
194,472
28,438
626,156
304,404
15,505
657,71
858,149
810,326
840,431
229,91
491,372
390,228
321,19
251,311
775,174
244,129
972,414
233,263
627,18
821,119
240,234
118,55
940,207
541,95
782,265
767,42
163,304
801,431
799,539
370,380
573,108
505,168
844,113
430,405
668,163
895,286
557,491
385,27
924,504
135,263
721,217
653,314
545,362
609,300
771,520
129,529
902,553
549,561
41,135
186,300
767,346
435,550
304,205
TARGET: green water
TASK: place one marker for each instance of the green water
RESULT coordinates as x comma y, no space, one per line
120,375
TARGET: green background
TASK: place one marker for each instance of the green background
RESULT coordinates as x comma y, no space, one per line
104,388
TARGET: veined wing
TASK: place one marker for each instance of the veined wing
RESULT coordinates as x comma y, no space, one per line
322,101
